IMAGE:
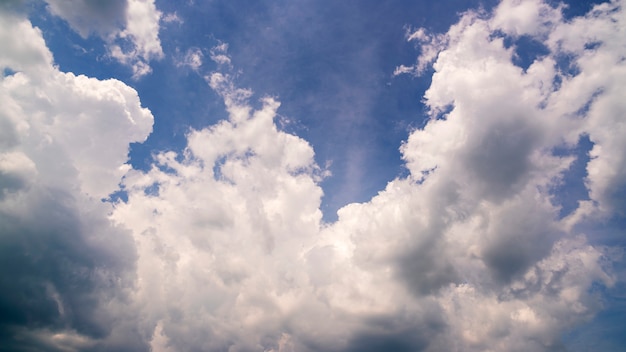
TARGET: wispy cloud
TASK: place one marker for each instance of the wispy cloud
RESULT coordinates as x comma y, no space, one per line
193,58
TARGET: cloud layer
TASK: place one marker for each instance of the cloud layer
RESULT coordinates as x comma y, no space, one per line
223,247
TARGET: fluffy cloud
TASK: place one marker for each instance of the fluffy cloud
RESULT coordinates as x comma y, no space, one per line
467,253
129,27
66,269
597,94
222,246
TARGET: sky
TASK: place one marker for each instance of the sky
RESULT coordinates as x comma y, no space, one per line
286,176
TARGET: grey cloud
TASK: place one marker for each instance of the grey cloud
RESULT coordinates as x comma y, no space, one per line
101,17
520,234
427,269
400,342
402,333
9,183
62,268
8,134
498,159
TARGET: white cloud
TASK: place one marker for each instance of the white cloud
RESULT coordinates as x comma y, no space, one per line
529,17
468,250
594,42
129,27
29,54
66,269
230,215
45,104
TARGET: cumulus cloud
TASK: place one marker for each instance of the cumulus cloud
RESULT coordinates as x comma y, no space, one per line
66,269
129,27
223,247
467,253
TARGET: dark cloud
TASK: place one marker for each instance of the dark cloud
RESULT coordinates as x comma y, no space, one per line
498,157
402,333
426,270
61,268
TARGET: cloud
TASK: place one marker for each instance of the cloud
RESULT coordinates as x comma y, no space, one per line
430,46
87,17
223,247
67,271
130,28
219,54
466,253
172,18
192,59
600,92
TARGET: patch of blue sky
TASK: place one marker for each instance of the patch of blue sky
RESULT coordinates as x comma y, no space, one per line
571,189
8,72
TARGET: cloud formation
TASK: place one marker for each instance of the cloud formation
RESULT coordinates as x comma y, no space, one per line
467,253
223,247
67,271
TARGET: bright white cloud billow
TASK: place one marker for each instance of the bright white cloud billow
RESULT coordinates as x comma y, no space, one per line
222,247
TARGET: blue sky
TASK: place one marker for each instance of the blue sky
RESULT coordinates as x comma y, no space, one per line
312,175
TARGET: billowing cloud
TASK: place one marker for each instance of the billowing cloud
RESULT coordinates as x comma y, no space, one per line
467,253
222,246
129,27
67,271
